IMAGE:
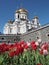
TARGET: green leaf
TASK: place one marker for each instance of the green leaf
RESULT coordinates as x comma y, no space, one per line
1,59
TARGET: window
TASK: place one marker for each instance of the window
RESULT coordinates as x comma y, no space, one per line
18,16
2,38
10,30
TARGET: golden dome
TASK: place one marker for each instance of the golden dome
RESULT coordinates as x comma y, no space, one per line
35,17
21,10
17,11
10,22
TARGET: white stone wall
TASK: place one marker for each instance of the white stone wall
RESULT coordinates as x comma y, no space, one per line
23,28
16,16
6,29
14,30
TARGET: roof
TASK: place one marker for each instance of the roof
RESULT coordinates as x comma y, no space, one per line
21,10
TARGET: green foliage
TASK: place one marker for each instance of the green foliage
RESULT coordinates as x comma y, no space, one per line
26,58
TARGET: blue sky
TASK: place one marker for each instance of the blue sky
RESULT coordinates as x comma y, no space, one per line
34,7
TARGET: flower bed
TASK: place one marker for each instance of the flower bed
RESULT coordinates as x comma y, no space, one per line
24,53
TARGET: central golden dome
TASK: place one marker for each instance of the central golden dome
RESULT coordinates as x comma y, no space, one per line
21,10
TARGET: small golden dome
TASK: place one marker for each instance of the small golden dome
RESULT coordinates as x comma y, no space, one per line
35,17
10,22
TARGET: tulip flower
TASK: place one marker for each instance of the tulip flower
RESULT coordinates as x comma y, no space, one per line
38,64
45,52
11,53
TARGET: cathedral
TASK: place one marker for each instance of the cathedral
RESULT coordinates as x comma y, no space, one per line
24,29
21,23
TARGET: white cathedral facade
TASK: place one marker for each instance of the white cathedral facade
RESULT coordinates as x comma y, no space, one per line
21,23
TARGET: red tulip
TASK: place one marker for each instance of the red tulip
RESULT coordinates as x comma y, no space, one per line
41,51
15,43
44,46
12,53
38,64
17,52
3,44
32,42
34,46
25,46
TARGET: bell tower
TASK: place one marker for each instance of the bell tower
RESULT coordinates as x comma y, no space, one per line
21,19
17,15
35,19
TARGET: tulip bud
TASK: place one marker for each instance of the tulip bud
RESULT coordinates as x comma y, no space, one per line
45,52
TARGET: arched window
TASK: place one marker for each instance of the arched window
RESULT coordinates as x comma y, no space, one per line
18,16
